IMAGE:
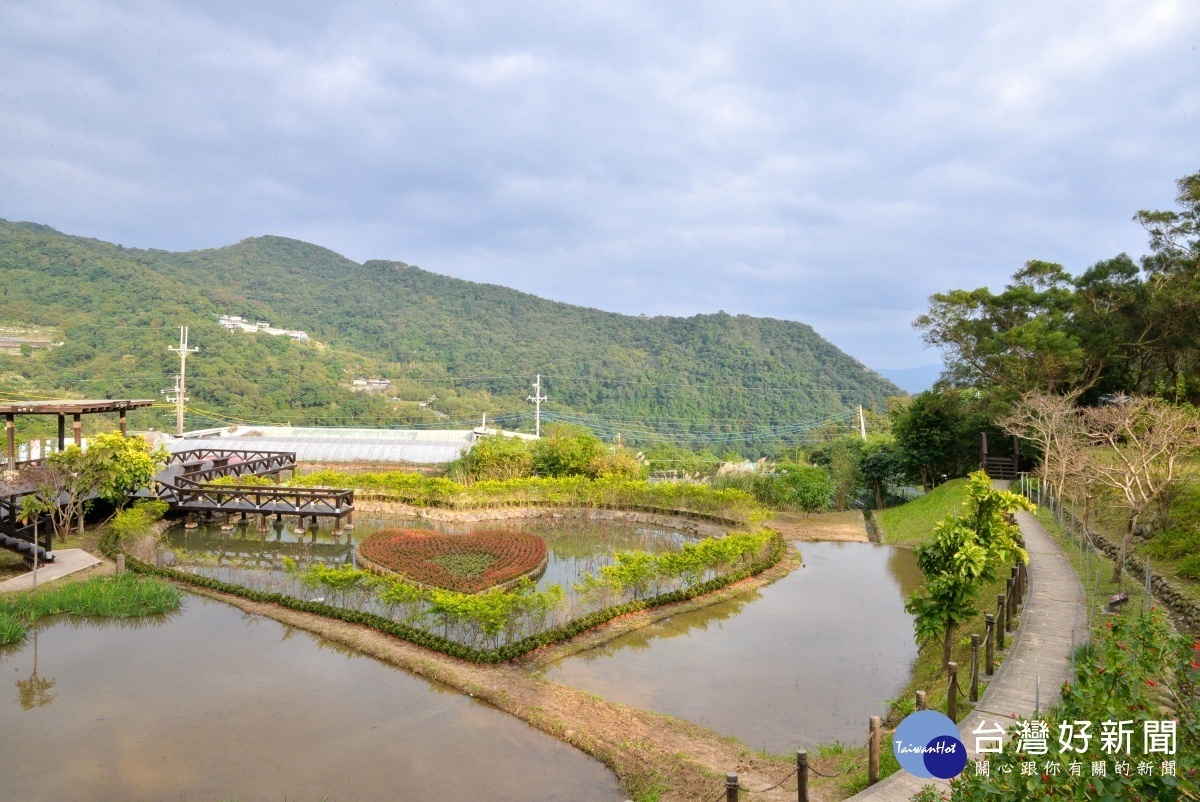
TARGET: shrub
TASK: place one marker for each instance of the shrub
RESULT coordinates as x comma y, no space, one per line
566,451
137,521
498,457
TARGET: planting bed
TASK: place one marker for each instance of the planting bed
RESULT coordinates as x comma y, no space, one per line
467,563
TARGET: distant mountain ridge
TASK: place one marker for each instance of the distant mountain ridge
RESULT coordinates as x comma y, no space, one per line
475,346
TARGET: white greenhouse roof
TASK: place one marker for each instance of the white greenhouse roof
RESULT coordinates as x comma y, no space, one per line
424,447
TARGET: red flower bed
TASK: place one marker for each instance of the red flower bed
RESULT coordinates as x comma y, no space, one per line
416,553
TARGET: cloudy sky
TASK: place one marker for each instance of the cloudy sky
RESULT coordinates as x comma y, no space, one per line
833,163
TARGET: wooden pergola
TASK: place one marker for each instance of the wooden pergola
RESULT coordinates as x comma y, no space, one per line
62,408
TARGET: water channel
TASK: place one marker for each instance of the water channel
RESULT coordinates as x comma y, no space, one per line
210,703
804,661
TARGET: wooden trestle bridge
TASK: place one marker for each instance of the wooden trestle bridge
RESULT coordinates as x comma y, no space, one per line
187,484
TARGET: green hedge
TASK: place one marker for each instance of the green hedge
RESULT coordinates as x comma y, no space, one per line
733,505
109,545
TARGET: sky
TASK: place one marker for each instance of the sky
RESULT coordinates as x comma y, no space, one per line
832,163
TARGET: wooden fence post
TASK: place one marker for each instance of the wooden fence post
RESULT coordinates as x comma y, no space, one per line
952,692
1011,610
801,775
921,700
120,564
991,643
974,667
873,741
1000,625
731,787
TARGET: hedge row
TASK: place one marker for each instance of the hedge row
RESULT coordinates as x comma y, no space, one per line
109,544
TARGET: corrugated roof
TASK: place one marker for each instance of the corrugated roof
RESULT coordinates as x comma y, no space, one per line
424,447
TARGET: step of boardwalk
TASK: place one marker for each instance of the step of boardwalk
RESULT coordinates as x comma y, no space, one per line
1053,618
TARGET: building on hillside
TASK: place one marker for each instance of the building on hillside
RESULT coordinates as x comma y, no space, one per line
239,323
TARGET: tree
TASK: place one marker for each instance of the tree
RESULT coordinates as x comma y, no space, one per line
123,465
962,555
499,457
842,458
1020,340
566,451
1139,449
936,435
1053,425
32,509
881,465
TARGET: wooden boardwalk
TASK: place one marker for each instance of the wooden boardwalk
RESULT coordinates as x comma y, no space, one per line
1054,609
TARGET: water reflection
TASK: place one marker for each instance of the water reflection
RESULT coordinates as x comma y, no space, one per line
803,661
214,704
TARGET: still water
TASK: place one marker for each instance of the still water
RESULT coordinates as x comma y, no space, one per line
210,703
575,546
804,661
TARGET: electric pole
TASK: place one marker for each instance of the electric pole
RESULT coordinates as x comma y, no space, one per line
862,423
537,398
181,379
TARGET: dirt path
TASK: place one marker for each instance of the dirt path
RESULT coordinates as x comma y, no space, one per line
838,527
652,754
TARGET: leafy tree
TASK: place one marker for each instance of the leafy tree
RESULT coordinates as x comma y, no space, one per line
499,457
566,451
842,458
123,465
881,466
963,555
937,435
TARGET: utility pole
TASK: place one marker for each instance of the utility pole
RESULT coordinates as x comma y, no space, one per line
537,398
862,423
181,379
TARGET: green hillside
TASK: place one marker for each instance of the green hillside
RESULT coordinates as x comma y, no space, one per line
474,346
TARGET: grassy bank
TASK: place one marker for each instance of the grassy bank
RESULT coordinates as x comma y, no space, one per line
911,523
576,491
110,597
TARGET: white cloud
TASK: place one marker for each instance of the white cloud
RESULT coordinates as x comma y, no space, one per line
834,164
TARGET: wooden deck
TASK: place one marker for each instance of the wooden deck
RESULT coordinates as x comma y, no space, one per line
1054,609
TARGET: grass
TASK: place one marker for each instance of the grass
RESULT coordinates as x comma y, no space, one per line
912,522
111,597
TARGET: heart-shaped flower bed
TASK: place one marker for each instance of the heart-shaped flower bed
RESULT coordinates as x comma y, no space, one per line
465,563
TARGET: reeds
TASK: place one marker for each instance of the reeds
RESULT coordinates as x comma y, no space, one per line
111,597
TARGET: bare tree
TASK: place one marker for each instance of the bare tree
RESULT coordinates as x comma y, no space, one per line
1140,449
1054,426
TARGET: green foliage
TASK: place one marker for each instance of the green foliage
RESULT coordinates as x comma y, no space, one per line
937,435
499,457
638,571
112,597
842,458
790,486
575,491
248,480
566,451
138,520
123,465
465,565
961,556
663,457
1136,668
881,466
393,320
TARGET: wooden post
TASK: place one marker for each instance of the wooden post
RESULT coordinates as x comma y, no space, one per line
731,787
1000,625
120,564
158,557
10,430
77,429
991,643
62,431
1011,610
952,692
124,424
974,667
802,775
873,741
921,704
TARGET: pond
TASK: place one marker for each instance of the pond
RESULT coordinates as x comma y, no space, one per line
803,661
210,703
576,546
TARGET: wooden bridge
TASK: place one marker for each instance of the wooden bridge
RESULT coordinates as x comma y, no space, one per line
187,484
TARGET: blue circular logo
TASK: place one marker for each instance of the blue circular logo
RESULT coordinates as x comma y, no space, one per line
926,745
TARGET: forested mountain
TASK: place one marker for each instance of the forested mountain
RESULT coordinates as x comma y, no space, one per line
475,346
